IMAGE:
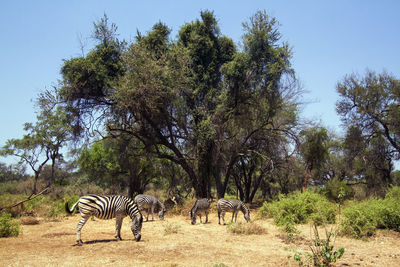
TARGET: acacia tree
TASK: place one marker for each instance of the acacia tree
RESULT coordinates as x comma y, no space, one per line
371,103
42,143
367,160
187,101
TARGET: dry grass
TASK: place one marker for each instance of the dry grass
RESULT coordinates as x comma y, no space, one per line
53,244
29,220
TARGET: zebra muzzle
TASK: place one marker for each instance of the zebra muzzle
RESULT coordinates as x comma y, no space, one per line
138,237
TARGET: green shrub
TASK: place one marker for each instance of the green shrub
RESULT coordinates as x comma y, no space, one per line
57,209
299,208
393,193
8,227
9,187
337,190
360,220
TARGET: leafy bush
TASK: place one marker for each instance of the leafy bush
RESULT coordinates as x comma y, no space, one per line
337,190
9,187
8,227
246,228
393,193
299,208
362,220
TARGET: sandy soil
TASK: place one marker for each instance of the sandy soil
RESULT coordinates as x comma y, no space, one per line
53,244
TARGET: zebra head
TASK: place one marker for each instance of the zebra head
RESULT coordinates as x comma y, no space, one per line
247,216
161,214
246,212
136,226
193,216
162,211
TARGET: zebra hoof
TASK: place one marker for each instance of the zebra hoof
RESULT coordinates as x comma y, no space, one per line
79,243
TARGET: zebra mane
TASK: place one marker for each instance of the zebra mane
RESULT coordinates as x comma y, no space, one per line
130,207
244,208
161,205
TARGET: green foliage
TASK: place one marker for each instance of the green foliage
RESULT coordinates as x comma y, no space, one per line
299,208
370,103
337,190
393,193
246,228
8,227
322,251
50,206
362,219
9,187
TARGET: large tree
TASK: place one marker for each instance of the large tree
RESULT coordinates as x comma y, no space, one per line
371,103
197,102
314,149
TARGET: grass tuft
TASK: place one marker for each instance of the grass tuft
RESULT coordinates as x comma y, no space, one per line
246,228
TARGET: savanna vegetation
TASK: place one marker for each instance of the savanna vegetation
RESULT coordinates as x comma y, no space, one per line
199,115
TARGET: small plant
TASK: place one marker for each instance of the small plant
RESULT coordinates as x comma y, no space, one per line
219,265
323,253
169,228
322,250
8,227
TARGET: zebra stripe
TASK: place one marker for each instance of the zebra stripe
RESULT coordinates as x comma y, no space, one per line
150,203
108,207
233,205
201,205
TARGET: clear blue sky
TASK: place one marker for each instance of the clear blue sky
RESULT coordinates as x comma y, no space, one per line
329,39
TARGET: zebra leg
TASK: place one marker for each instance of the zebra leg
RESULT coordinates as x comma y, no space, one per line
147,217
118,225
200,217
223,216
206,217
152,212
236,214
233,214
81,223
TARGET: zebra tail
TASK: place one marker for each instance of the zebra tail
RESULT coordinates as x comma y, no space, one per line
70,211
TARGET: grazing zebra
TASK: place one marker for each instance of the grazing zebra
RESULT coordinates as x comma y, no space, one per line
108,207
201,205
150,203
233,205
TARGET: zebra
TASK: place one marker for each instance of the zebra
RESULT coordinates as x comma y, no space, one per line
233,205
201,205
108,207
150,203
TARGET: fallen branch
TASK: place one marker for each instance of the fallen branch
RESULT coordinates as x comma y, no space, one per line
25,200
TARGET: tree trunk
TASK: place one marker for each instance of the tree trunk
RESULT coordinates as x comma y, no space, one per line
307,178
136,185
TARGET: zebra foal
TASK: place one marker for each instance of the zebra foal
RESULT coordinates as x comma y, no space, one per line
201,205
107,207
150,203
233,205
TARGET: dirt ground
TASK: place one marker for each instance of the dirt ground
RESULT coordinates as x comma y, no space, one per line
53,244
